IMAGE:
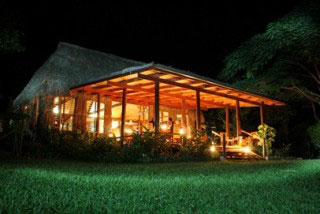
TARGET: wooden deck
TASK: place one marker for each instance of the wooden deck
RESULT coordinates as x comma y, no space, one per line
238,152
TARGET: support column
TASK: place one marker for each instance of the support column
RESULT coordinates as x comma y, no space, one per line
151,117
35,110
227,123
198,116
183,115
140,118
63,113
238,125
98,115
60,113
156,107
143,116
46,117
123,112
224,153
107,115
264,149
261,114
80,112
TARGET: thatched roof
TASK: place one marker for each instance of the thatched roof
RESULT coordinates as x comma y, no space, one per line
72,65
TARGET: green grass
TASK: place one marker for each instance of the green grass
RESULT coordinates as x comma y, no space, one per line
203,187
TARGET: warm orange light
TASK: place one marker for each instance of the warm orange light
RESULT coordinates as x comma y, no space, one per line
212,148
164,126
94,115
181,131
247,149
129,131
115,124
56,110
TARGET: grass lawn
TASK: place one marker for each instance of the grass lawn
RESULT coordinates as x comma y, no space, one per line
202,187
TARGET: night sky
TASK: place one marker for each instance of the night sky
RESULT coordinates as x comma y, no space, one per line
190,36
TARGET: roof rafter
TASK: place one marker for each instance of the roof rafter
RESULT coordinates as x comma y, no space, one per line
197,89
162,93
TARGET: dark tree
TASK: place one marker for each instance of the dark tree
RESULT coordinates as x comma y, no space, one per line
284,61
10,34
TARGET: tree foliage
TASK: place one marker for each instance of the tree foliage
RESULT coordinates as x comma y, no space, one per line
10,34
284,60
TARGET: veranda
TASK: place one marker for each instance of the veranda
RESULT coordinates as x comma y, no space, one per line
146,98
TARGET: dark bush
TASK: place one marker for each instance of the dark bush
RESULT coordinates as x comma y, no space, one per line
144,147
314,134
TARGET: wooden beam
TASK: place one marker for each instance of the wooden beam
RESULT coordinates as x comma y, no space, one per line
261,114
131,80
60,112
151,83
98,115
140,100
156,107
35,111
196,88
162,93
107,115
264,149
80,113
101,86
238,119
198,111
63,112
183,115
123,112
227,123
224,142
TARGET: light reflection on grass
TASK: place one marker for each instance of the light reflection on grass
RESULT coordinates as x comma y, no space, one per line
58,186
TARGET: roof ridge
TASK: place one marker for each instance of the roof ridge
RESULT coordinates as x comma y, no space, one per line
66,44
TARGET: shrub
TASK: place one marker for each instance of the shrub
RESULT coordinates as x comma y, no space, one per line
268,134
104,149
314,133
145,147
283,151
194,148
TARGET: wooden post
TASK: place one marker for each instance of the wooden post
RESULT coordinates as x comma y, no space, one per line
98,115
143,117
238,125
45,117
123,112
264,148
151,112
198,116
49,115
60,113
107,115
140,118
183,115
227,123
156,107
224,153
35,109
63,112
161,116
261,114
151,117
80,112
